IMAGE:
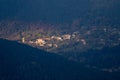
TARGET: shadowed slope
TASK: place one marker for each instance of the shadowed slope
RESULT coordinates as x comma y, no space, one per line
21,62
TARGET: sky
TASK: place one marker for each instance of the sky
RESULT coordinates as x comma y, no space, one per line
55,10
43,9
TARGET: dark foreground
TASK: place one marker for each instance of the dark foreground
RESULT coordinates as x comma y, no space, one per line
21,62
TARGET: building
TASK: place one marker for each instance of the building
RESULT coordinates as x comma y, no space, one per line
66,36
57,38
40,42
49,45
31,42
83,41
23,40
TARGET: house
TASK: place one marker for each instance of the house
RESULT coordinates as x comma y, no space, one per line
83,41
23,40
73,35
31,42
55,45
66,36
57,38
49,45
47,38
40,42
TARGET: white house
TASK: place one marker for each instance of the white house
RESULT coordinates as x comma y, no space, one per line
66,36
57,38
40,42
83,41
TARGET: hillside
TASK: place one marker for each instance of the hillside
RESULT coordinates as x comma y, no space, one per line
42,32
21,62
88,24
106,59
62,37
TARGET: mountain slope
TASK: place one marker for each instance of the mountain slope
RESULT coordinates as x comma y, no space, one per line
106,59
21,62
110,55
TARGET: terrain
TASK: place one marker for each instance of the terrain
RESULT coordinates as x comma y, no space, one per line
22,62
84,34
61,24
61,39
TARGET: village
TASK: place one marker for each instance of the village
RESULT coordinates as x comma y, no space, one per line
49,36
85,39
54,41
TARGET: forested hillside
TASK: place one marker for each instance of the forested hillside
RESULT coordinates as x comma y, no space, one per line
21,62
